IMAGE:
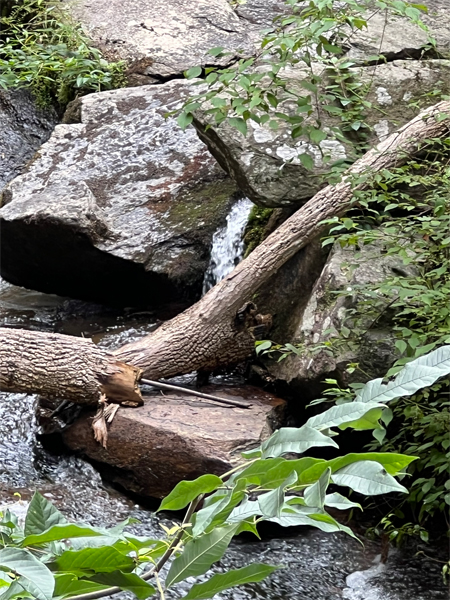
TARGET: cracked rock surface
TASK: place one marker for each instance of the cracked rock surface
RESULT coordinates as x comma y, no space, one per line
119,206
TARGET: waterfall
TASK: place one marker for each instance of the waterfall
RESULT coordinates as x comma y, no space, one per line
228,245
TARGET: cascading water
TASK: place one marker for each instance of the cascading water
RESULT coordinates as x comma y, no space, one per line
228,245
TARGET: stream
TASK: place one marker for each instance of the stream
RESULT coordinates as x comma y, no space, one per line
315,566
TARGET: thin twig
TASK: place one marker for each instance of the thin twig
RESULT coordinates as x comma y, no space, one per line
177,388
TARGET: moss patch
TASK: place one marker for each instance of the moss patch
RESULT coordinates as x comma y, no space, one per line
255,232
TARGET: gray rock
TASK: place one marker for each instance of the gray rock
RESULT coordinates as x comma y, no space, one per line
119,207
265,163
23,128
327,312
162,38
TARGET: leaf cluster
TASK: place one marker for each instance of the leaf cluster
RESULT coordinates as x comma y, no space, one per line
42,49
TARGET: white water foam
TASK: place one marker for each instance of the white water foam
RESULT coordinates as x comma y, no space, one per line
228,245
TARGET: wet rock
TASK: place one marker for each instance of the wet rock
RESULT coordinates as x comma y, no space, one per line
329,309
23,129
119,206
175,437
161,39
265,163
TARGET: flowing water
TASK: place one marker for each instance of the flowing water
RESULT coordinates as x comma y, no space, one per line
314,566
228,246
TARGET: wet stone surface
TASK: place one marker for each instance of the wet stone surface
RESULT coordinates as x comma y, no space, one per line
314,566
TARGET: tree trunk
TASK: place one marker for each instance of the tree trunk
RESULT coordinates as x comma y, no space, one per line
66,367
217,330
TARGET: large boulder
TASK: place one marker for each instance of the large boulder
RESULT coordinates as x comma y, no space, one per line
119,206
325,350
161,39
24,127
175,437
265,163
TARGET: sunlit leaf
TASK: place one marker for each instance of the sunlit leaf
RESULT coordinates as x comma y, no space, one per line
186,491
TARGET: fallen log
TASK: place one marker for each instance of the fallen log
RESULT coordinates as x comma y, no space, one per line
218,329
66,367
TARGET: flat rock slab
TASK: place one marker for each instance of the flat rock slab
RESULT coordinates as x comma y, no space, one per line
119,206
175,437
161,38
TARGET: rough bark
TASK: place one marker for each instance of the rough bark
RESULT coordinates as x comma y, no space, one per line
66,367
213,332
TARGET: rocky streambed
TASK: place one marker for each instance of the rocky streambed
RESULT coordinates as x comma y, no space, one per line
315,565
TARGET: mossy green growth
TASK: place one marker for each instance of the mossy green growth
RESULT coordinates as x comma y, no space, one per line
44,50
256,227
204,207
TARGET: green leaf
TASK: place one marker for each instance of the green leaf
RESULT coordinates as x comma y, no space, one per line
340,414
216,51
223,581
306,161
392,463
340,502
200,553
193,72
317,135
368,421
291,439
367,477
184,119
270,503
93,560
239,124
67,584
417,374
61,532
315,494
35,577
186,491
41,515
126,581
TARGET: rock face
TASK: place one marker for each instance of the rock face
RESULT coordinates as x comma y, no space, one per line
265,163
153,447
327,312
119,206
23,128
161,39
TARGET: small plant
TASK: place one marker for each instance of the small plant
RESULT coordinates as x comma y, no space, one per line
43,50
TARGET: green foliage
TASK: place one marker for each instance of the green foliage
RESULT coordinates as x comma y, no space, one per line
43,50
51,558
255,228
417,423
311,38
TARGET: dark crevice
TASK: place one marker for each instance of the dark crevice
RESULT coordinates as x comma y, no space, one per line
405,54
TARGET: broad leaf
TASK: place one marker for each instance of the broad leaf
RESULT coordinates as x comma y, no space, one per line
93,560
272,502
217,513
35,578
41,515
419,373
392,463
367,477
246,510
61,532
343,413
370,420
126,581
67,584
291,439
199,554
315,494
186,491
223,581
270,473
340,502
